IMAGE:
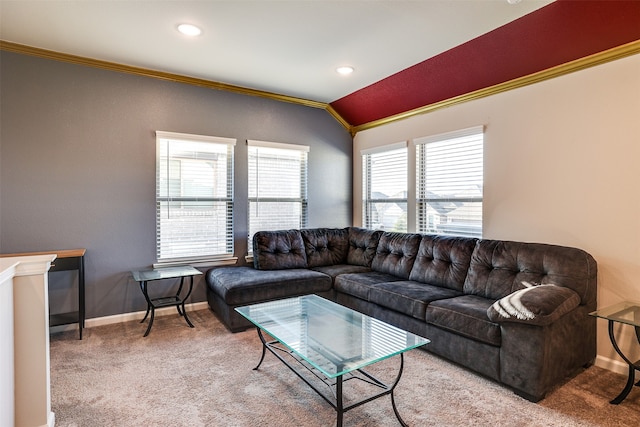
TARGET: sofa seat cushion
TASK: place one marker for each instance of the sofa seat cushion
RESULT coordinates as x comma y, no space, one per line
409,297
338,269
467,316
245,285
359,284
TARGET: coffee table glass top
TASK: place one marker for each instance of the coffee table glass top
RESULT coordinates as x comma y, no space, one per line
624,312
164,273
332,338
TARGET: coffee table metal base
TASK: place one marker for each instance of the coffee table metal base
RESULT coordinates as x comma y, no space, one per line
336,400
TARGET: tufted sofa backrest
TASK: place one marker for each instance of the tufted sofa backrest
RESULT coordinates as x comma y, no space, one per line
325,246
499,267
275,250
396,253
443,261
362,246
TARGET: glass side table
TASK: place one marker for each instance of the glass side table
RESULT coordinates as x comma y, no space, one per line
143,277
627,313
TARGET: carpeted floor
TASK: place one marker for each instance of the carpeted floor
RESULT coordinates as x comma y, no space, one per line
179,376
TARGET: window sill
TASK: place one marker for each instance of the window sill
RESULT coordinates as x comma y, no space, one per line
198,263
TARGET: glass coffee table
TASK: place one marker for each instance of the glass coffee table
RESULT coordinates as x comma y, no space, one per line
627,313
333,343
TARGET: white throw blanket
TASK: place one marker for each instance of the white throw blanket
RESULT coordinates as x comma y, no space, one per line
511,305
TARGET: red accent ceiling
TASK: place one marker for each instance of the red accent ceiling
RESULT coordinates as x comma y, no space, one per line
558,33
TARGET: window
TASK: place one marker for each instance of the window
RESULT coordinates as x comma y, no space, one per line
194,197
385,188
277,186
449,180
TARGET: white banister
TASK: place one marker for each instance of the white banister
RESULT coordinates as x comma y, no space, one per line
7,400
24,281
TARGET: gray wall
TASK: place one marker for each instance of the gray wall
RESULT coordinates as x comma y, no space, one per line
77,166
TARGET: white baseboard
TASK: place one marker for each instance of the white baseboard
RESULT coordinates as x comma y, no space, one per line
126,317
612,365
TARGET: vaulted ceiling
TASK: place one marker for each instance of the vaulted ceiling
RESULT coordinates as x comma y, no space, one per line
409,56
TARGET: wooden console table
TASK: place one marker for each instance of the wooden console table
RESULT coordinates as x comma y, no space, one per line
66,260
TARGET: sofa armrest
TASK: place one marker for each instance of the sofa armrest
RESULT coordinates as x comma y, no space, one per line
534,305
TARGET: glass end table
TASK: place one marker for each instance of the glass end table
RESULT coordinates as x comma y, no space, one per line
143,277
628,313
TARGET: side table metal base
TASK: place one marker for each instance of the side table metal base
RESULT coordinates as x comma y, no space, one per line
170,301
627,388
632,366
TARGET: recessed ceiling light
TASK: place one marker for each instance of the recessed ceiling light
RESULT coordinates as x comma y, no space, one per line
189,30
344,70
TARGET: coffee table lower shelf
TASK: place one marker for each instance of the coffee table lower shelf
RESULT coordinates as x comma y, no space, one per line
335,385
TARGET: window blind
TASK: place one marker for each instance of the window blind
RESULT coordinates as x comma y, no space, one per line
277,187
385,189
449,183
194,197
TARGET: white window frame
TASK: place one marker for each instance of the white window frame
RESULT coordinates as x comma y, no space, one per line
370,200
458,213
412,172
164,198
302,198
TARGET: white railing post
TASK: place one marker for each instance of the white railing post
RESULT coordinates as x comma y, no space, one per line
31,341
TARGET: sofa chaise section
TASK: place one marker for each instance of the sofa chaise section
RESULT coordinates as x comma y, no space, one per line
289,263
232,287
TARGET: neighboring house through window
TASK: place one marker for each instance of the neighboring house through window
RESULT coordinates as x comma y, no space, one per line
194,198
277,187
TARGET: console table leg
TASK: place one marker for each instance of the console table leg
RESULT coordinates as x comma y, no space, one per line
81,297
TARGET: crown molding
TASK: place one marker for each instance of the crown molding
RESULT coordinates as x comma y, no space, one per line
339,118
603,57
560,70
112,66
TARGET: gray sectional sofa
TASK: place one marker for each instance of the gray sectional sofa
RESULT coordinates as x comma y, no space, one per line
514,312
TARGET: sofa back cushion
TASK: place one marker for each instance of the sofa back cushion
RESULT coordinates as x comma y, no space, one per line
362,246
443,261
325,246
498,268
396,253
276,250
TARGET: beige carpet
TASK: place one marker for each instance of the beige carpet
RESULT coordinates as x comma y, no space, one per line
179,376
